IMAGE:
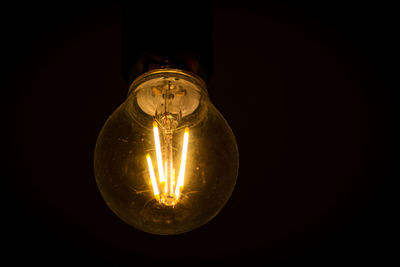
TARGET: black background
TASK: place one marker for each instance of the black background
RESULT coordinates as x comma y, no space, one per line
307,87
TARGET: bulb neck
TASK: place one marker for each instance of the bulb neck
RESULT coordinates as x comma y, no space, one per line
196,81
167,60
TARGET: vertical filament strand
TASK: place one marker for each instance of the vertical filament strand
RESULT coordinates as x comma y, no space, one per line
181,176
158,153
153,178
166,176
171,180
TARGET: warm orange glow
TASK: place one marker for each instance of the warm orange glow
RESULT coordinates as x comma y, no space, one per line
181,176
171,180
166,176
158,152
166,172
153,178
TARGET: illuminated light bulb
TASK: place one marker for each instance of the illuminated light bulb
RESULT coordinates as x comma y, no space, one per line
166,161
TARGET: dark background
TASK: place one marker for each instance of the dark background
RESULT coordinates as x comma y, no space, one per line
309,89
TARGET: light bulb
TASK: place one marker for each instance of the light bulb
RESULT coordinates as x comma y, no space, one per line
166,161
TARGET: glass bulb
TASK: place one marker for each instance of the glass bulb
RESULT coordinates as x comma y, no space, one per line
166,161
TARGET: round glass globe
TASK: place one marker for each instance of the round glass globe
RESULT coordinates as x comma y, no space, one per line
177,104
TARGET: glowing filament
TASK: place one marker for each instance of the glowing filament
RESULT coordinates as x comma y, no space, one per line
181,176
166,176
153,178
166,171
171,180
158,153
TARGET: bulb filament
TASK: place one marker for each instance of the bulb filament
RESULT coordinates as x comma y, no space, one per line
167,190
